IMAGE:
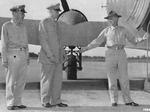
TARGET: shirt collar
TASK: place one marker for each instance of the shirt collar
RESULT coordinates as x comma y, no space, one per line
114,27
13,22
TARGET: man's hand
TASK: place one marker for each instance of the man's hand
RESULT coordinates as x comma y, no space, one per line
146,36
141,39
53,59
5,64
83,49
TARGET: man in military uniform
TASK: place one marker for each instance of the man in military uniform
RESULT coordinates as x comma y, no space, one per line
50,56
15,57
115,37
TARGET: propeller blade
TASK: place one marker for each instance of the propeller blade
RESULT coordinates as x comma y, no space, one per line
65,5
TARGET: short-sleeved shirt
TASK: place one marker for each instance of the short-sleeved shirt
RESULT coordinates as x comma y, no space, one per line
113,36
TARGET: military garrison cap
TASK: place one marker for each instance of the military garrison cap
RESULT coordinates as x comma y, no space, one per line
54,7
111,14
18,8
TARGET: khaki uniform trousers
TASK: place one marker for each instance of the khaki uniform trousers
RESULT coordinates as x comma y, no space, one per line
51,82
116,63
16,77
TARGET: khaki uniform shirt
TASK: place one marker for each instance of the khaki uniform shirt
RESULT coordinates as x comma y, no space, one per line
50,41
13,37
114,36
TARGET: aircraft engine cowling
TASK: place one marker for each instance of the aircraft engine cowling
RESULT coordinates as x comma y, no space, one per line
72,17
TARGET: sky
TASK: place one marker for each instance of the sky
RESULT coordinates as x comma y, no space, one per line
36,9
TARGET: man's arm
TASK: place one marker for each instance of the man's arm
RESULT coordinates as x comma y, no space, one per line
43,40
141,39
26,46
27,52
135,40
95,43
4,43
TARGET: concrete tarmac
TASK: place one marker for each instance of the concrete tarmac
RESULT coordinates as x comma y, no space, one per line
81,101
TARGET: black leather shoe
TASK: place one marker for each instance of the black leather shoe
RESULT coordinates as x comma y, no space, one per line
12,108
61,105
114,104
21,106
132,104
47,105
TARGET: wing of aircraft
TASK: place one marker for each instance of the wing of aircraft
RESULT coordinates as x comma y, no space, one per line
79,34
135,16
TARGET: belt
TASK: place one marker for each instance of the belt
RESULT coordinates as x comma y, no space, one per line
116,47
18,49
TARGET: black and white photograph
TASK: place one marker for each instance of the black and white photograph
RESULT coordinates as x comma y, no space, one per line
74,56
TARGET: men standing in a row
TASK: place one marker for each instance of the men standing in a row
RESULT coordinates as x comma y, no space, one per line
51,57
15,57
115,37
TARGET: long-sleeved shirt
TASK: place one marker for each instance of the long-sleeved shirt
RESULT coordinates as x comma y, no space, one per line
114,36
13,37
50,40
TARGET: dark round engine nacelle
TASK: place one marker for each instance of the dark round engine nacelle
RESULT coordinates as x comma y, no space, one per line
72,17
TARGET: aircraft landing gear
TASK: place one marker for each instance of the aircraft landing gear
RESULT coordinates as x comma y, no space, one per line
71,73
72,62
